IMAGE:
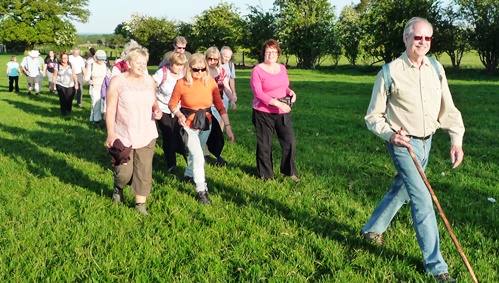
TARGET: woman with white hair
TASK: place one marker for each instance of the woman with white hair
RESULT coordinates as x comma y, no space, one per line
121,65
166,78
132,109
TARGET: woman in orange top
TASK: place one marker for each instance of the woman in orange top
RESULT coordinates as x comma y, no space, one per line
196,93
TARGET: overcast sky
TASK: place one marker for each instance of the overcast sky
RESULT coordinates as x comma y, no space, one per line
106,15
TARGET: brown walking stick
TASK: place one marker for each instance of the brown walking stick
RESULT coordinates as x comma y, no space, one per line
447,225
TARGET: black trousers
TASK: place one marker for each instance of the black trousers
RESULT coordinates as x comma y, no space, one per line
166,127
66,96
266,124
79,95
13,80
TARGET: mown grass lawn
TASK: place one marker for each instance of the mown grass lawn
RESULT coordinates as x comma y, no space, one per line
58,224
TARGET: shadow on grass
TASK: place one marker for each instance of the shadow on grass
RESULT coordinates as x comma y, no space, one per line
44,165
77,141
5,88
28,106
327,228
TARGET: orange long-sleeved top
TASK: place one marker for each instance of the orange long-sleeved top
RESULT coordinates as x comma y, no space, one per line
197,96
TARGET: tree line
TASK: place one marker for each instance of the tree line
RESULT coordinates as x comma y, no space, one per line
309,30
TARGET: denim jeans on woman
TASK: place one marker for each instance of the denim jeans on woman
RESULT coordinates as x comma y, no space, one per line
195,161
409,187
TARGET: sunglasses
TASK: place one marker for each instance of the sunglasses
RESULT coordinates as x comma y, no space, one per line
426,38
195,70
213,59
180,47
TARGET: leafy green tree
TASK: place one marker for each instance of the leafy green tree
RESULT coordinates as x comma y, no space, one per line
66,36
384,23
156,34
333,45
217,26
123,30
304,27
26,23
451,35
116,41
484,18
259,26
350,29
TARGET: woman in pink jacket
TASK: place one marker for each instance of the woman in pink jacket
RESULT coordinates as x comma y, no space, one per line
272,113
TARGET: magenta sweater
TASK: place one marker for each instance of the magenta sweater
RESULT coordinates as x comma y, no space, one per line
266,86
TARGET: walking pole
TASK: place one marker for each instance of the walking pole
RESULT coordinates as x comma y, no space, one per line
447,225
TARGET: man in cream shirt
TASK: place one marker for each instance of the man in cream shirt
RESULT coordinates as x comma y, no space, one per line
418,104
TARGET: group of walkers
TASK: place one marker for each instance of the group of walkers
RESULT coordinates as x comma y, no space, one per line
34,69
66,75
180,96
69,74
189,96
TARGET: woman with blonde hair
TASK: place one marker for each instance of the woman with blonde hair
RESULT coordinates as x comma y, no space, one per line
166,78
213,58
197,91
121,66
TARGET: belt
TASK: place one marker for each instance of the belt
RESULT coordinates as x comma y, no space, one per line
420,138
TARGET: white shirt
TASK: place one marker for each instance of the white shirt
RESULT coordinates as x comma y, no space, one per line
32,65
77,63
164,91
230,71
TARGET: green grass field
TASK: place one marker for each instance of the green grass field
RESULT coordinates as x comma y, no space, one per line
58,224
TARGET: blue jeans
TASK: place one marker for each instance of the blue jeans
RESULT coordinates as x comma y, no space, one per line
409,187
215,112
195,161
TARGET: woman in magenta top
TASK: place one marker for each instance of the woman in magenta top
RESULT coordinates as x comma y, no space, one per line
272,113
